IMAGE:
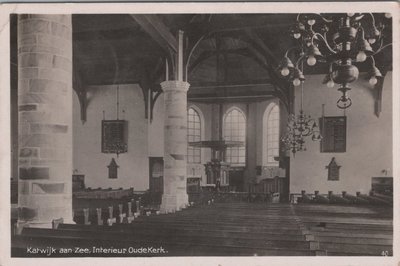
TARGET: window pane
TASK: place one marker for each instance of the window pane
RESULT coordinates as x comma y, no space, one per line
271,136
235,130
194,134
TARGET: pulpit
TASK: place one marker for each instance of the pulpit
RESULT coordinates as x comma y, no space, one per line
217,170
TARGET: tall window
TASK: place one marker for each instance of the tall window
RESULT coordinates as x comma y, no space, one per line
194,134
235,130
271,135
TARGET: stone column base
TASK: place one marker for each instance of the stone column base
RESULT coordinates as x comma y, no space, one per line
173,203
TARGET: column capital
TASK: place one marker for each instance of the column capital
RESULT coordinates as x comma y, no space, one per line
174,85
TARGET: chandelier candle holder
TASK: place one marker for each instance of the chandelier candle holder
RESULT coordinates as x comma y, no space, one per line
340,41
298,128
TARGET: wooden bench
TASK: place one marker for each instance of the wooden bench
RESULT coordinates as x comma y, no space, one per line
175,245
363,232
147,230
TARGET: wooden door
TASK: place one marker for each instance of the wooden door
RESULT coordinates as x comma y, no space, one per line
156,175
236,180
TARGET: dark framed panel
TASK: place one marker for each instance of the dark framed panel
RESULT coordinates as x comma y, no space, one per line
156,176
382,185
113,136
78,182
334,133
193,184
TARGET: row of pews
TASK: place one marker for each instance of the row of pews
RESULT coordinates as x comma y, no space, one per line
213,229
345,198
101,193
215,226
110,211
349,230
233,197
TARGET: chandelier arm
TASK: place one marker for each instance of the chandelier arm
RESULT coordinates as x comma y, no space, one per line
382,48
299,60
373,19
360,28
324,18
316,14
359,17
373,60
290,49
331,68
312,30
302,95
325,41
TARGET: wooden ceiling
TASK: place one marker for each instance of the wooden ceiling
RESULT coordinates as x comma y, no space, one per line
235,55
235,49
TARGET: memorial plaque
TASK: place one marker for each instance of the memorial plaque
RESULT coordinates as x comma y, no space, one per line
113,169
333,170
333,131
113,138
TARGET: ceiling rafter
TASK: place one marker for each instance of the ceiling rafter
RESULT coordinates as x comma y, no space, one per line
259,45
157,30
210,53
226,24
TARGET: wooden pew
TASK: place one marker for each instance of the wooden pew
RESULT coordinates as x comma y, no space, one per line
99,216
149,230
354,199
359,234
336,199
111,219
174,244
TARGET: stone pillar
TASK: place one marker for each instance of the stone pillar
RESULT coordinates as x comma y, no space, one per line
175,145
45,119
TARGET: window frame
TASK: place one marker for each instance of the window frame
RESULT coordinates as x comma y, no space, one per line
236,156
193,154
270,138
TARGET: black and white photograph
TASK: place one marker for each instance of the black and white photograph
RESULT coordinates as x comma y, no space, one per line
189,131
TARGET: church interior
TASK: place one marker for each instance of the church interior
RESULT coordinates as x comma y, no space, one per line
201,134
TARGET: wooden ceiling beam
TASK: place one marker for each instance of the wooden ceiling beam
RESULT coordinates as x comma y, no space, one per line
235,92
117,35
209,53
157,30
222,23
93,22
270,56
243,83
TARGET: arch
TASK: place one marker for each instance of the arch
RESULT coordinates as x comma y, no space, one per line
234,129
270,140
195,130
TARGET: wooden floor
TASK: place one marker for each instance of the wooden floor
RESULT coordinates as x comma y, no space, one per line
229,229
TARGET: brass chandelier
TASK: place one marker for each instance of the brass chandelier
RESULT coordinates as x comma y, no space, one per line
298,128
341,41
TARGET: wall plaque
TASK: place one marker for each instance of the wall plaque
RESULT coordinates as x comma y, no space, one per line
114,135
333,170
333,131
113,169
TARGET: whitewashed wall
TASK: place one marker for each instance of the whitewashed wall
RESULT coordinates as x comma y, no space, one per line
369,139
133,168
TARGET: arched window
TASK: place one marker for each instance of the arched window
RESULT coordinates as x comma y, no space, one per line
194,134
235,130
271,135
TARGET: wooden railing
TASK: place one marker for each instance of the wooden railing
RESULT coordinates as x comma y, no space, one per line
344,198
104,193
